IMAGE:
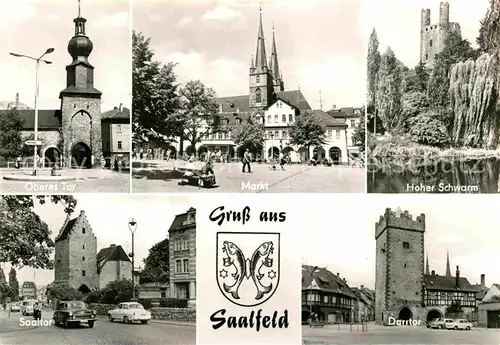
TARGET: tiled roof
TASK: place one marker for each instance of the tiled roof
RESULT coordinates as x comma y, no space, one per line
295,98
242,103
66,230
47,119
343,113
111,253
497,286
80,90
327,120
179,220
437,282
326,281
116,113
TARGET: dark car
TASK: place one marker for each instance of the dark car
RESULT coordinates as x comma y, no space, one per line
69,313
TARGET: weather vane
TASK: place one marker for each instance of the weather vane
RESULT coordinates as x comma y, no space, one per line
260,7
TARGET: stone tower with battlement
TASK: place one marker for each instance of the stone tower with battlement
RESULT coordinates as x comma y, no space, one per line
433,36
399,276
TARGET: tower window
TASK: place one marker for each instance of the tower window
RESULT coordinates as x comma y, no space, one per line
83,258
83,230
257,79
430,43
426,56
83,273
119,145
258,96
83,247
406,245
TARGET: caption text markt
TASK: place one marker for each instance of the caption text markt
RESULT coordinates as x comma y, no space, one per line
220,215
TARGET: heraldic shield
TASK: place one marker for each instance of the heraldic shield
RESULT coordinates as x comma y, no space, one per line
248,266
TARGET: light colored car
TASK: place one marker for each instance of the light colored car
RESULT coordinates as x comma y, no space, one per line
27,306
14,307
441,323
459,324
130,312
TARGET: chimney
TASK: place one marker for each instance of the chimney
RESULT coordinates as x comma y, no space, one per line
433,272
362,286
334,106
483,280
17,100
338,274
112,245
457,278
121,107
115,108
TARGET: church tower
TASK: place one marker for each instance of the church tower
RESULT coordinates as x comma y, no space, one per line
278,84
261,79
399,276
81,103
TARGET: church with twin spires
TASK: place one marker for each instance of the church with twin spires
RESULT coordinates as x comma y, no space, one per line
276,108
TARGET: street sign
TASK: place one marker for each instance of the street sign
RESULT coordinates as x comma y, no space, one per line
33,142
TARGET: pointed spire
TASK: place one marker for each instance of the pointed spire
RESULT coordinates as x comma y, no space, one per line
448,270
252,65
260,56
427,265
275,69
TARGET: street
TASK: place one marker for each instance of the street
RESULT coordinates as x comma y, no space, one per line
161,177
397,335
87,181
104,332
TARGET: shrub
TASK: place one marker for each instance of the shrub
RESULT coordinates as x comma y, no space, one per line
146,303
429,130
173,303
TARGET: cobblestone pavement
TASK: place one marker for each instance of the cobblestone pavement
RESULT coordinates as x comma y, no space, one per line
162,177
332,335
87,181
104,332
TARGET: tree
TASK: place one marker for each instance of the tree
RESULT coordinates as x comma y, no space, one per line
199,111
249,135
11,140
359,135
373,66
308,131
14,284
157,264
428,129
413,104
25,238
118,291
454,308
155,101
416,79
388,96
63,292
3,279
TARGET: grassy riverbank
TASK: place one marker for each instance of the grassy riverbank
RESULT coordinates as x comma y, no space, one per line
389,147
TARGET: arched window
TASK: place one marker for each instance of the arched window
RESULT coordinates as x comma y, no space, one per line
268,118
257,79
258,96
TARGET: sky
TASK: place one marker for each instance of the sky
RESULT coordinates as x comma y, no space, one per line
320,44
108,216
29,27
344,240
398,23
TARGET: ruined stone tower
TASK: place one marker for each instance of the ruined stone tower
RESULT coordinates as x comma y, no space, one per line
433,36
399,276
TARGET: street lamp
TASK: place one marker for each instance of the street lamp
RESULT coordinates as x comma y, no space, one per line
314,270
272,146
48,51
132,225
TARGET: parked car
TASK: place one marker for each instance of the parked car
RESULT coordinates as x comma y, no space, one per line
429,323
460,324
27,306
70,313
440,323
130,312
14,307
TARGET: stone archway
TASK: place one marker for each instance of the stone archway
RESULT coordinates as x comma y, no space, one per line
405,314
273,152
81,156
335,155
319,153
433,314
51,157
287,150
173,152
303,154
84,289
190,150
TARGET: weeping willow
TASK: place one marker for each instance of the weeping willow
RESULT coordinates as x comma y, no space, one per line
474,89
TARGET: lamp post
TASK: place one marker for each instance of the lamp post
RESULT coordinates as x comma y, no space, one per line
48,51
272,146
315,268
132,225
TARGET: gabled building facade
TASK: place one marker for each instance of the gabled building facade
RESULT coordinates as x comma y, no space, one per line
489,308
113,263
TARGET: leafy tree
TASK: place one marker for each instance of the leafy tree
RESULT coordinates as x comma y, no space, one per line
373,66
359,135
416,79
249,135
388,97
63,292
3,279
413,104
308,131
14,284
428,129
11,140
157,264
155,101
199,111
454,308
118,291
25,238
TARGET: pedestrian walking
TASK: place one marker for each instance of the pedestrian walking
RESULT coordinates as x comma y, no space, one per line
282,161
246,161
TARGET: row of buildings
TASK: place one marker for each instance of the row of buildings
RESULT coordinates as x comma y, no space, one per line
78,133
276,109
79,264
405,287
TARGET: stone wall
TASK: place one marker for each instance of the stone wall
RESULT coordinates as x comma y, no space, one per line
157,313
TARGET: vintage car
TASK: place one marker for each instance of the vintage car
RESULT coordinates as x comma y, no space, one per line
14,307
441,323
69,313
459,324
129,312
27,306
